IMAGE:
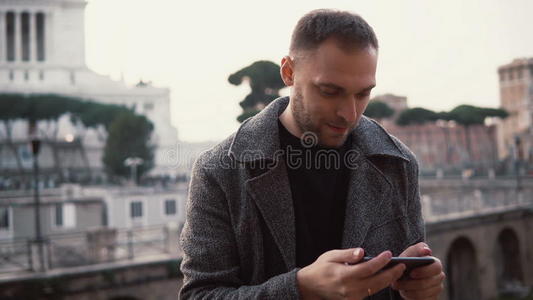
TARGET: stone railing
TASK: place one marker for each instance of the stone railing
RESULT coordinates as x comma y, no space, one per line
100,245
445,199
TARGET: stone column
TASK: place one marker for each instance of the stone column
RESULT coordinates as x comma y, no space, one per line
33,37
3,39
486,263
427,211
172,239
40,263
48,36
17,20
102,244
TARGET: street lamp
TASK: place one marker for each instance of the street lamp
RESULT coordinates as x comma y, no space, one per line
133,163
35,148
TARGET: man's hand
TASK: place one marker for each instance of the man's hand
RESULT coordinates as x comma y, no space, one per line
424,283
332,277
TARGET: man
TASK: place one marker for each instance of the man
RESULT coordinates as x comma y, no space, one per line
267,220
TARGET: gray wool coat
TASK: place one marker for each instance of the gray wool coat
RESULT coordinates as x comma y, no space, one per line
239,235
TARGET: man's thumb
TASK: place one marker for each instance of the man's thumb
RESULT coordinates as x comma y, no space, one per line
347,256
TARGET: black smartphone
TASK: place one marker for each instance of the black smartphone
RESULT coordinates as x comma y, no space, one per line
410,263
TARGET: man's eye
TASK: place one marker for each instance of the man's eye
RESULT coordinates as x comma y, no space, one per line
328,92
363,95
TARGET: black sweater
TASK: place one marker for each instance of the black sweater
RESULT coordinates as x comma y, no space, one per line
318,179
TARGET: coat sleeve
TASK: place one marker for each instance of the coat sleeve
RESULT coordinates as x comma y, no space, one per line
210,264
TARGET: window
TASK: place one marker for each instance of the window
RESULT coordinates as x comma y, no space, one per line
58,220
4,218
148,106
170,207
136,209
25,155
64,215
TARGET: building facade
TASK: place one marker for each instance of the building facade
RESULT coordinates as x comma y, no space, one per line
42,51
62,210
142,206
443,145
72,208
448,146
516,96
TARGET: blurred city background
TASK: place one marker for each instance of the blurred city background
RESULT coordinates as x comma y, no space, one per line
104,106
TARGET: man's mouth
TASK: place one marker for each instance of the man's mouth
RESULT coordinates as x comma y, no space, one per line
338,129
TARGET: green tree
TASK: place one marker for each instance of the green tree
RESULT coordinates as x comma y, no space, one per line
469,115
378,110
265,82
93,114
129,136
97,116
417,116
12,108
50,107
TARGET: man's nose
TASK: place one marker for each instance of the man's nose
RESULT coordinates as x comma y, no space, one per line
347,110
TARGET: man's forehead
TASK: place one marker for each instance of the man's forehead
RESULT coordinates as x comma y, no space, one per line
350,70
335,85
354,80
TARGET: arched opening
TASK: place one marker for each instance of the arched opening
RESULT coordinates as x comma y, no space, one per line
510,277
462,271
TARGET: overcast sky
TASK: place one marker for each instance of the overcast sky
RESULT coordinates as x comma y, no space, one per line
437,53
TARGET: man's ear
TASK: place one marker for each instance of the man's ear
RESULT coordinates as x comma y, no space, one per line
287,70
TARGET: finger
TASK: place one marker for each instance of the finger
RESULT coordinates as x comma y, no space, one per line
417,250
385,278
409,285
427,271
349,256
424,294
416,284
369,268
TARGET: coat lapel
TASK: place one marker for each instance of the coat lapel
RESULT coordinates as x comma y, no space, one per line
257,142
272,195
368,192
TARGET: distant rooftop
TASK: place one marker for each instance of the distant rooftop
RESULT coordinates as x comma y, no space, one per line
523,61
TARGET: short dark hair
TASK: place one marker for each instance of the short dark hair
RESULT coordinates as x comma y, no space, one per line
349,29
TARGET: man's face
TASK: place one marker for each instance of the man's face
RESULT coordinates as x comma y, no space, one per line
331,89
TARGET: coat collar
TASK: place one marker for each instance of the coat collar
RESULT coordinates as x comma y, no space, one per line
258,137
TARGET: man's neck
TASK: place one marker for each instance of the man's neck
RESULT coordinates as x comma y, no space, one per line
287,119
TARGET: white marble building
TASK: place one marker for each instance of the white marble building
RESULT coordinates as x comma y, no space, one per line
42,50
